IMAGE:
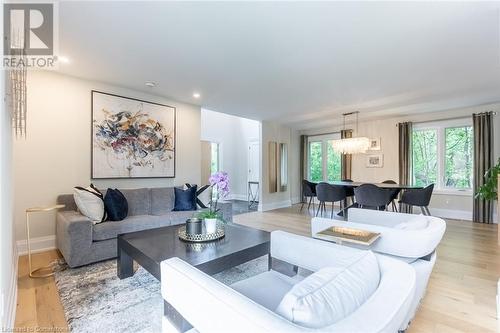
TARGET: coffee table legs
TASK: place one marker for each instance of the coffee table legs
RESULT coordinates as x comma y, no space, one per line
124,265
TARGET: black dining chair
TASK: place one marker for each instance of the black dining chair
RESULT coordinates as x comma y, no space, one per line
394,196
372,197
308,191
329,193
349,191
418,197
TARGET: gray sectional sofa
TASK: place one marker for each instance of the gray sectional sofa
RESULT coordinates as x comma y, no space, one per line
82,243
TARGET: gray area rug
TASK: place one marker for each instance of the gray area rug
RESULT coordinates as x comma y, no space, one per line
96,300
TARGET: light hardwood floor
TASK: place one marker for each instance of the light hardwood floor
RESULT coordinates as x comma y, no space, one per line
460,296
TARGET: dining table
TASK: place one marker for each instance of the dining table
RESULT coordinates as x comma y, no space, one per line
353,185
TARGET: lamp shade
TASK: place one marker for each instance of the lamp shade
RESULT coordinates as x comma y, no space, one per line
356,145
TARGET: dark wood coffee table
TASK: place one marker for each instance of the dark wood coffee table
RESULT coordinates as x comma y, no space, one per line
150,247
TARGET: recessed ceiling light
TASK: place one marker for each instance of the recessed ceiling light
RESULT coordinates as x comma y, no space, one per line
196,95
63,59
150,84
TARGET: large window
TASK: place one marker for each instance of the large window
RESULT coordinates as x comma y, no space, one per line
324,163
442,155
458,159
316,161
425,157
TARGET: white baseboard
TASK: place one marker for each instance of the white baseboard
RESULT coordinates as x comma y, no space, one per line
450,213
274,205
11,297
295,200
39,244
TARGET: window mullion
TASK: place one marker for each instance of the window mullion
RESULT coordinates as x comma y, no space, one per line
309,160
441,157
324,155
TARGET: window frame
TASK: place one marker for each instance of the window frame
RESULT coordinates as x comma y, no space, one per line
323,138
440,127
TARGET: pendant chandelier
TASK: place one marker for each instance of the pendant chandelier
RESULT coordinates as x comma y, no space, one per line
355,145
17,86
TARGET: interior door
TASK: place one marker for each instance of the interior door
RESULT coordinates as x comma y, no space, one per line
253,162
206,161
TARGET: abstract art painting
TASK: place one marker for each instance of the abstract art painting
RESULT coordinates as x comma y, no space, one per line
131,138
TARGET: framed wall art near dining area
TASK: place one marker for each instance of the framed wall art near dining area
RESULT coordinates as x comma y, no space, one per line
375,144
375,161
131,138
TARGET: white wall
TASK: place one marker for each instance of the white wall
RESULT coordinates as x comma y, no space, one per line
233,135
271,131
8,258
55,156
442,204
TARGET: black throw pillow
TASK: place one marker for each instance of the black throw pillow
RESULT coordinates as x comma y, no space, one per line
116,205
185,199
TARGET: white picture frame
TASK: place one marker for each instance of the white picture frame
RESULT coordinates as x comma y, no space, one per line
375,144
375,161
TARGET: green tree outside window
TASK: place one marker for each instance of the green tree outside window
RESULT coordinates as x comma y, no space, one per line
459,157
316,161
425,161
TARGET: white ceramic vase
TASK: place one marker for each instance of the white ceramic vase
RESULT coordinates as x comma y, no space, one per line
210,225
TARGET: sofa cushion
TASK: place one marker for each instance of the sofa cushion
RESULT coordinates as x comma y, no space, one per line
418,222
180,217
162,200
110,230
266,289
139,201
332,293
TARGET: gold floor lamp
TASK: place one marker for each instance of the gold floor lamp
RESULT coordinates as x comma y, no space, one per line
28,212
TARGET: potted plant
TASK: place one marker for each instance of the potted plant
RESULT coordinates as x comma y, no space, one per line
219,184
489,191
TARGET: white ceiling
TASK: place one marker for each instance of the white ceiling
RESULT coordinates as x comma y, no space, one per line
301,63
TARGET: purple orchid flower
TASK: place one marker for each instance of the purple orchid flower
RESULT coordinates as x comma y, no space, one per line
220,182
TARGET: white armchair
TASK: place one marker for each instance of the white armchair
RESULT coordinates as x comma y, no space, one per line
249,305
414,246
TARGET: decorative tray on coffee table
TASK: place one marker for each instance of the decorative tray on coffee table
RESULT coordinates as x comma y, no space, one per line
348,235
203,237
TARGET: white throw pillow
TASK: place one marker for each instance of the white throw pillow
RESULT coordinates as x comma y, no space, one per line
332,293
90,203
417,222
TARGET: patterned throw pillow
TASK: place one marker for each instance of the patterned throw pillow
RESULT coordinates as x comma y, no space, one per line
203,195
90,203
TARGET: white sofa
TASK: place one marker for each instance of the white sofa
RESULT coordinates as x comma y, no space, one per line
248,306
416,247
